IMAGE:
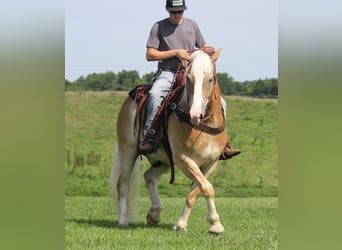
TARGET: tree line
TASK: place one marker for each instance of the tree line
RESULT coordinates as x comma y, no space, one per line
127,80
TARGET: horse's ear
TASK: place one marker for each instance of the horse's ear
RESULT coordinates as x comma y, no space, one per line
215,55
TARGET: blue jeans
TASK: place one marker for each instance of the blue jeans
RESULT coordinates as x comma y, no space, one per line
158,92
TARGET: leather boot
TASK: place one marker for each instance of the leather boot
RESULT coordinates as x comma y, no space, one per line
229,152
148,145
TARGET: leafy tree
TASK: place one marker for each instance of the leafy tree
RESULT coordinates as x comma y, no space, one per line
126,80
226,83
274,87
97,82
67,85
148,78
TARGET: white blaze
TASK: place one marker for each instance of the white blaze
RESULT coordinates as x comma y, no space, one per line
196,107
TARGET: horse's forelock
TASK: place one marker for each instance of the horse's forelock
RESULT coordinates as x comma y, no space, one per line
201,67
201,63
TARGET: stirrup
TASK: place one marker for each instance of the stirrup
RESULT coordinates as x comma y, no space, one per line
146,148
148,145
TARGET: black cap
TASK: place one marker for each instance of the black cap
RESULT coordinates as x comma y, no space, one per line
175,5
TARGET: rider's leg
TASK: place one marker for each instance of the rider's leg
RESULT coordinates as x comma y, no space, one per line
228,152
158,92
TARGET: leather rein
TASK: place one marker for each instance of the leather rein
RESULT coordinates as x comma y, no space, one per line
184,117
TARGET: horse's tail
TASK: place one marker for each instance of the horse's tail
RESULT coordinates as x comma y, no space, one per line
113,180
133,193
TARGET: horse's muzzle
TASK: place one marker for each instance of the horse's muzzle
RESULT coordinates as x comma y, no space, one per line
196,120
195,115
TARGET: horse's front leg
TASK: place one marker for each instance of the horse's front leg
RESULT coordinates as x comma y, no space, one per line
151,178
189,204
192,198
201,184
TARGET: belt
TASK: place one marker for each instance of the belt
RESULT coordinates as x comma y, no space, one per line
171,70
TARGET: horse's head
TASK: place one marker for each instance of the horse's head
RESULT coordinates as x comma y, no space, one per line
201,78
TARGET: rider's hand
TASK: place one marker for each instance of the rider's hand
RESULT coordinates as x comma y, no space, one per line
209,50
182,54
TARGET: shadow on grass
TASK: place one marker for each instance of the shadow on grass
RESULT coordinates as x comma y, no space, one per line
114,224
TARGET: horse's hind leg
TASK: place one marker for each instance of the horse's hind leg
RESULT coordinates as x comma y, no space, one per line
151,178
125,167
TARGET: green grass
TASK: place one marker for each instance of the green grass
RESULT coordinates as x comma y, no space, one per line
250,223
90,121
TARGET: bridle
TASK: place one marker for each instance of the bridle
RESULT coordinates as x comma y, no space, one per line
202,126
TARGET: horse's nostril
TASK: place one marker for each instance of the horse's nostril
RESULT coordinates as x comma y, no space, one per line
194,121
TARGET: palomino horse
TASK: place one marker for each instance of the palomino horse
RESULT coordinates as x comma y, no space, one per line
195,152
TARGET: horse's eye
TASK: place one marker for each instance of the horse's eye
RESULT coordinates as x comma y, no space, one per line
210,80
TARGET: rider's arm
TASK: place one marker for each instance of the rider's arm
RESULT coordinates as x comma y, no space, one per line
152,54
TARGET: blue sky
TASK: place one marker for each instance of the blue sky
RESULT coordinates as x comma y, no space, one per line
107,35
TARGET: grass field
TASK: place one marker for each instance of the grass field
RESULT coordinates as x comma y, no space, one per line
90,121
250,223
246,186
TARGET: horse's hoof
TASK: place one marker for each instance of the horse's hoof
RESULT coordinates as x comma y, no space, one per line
179,228
152,221
216,229
123,222
153,216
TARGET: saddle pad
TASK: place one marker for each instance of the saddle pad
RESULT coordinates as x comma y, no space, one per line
140,93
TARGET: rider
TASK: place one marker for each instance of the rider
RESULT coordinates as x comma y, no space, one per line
168,43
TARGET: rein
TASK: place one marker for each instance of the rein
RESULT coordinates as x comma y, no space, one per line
184,117
203,49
